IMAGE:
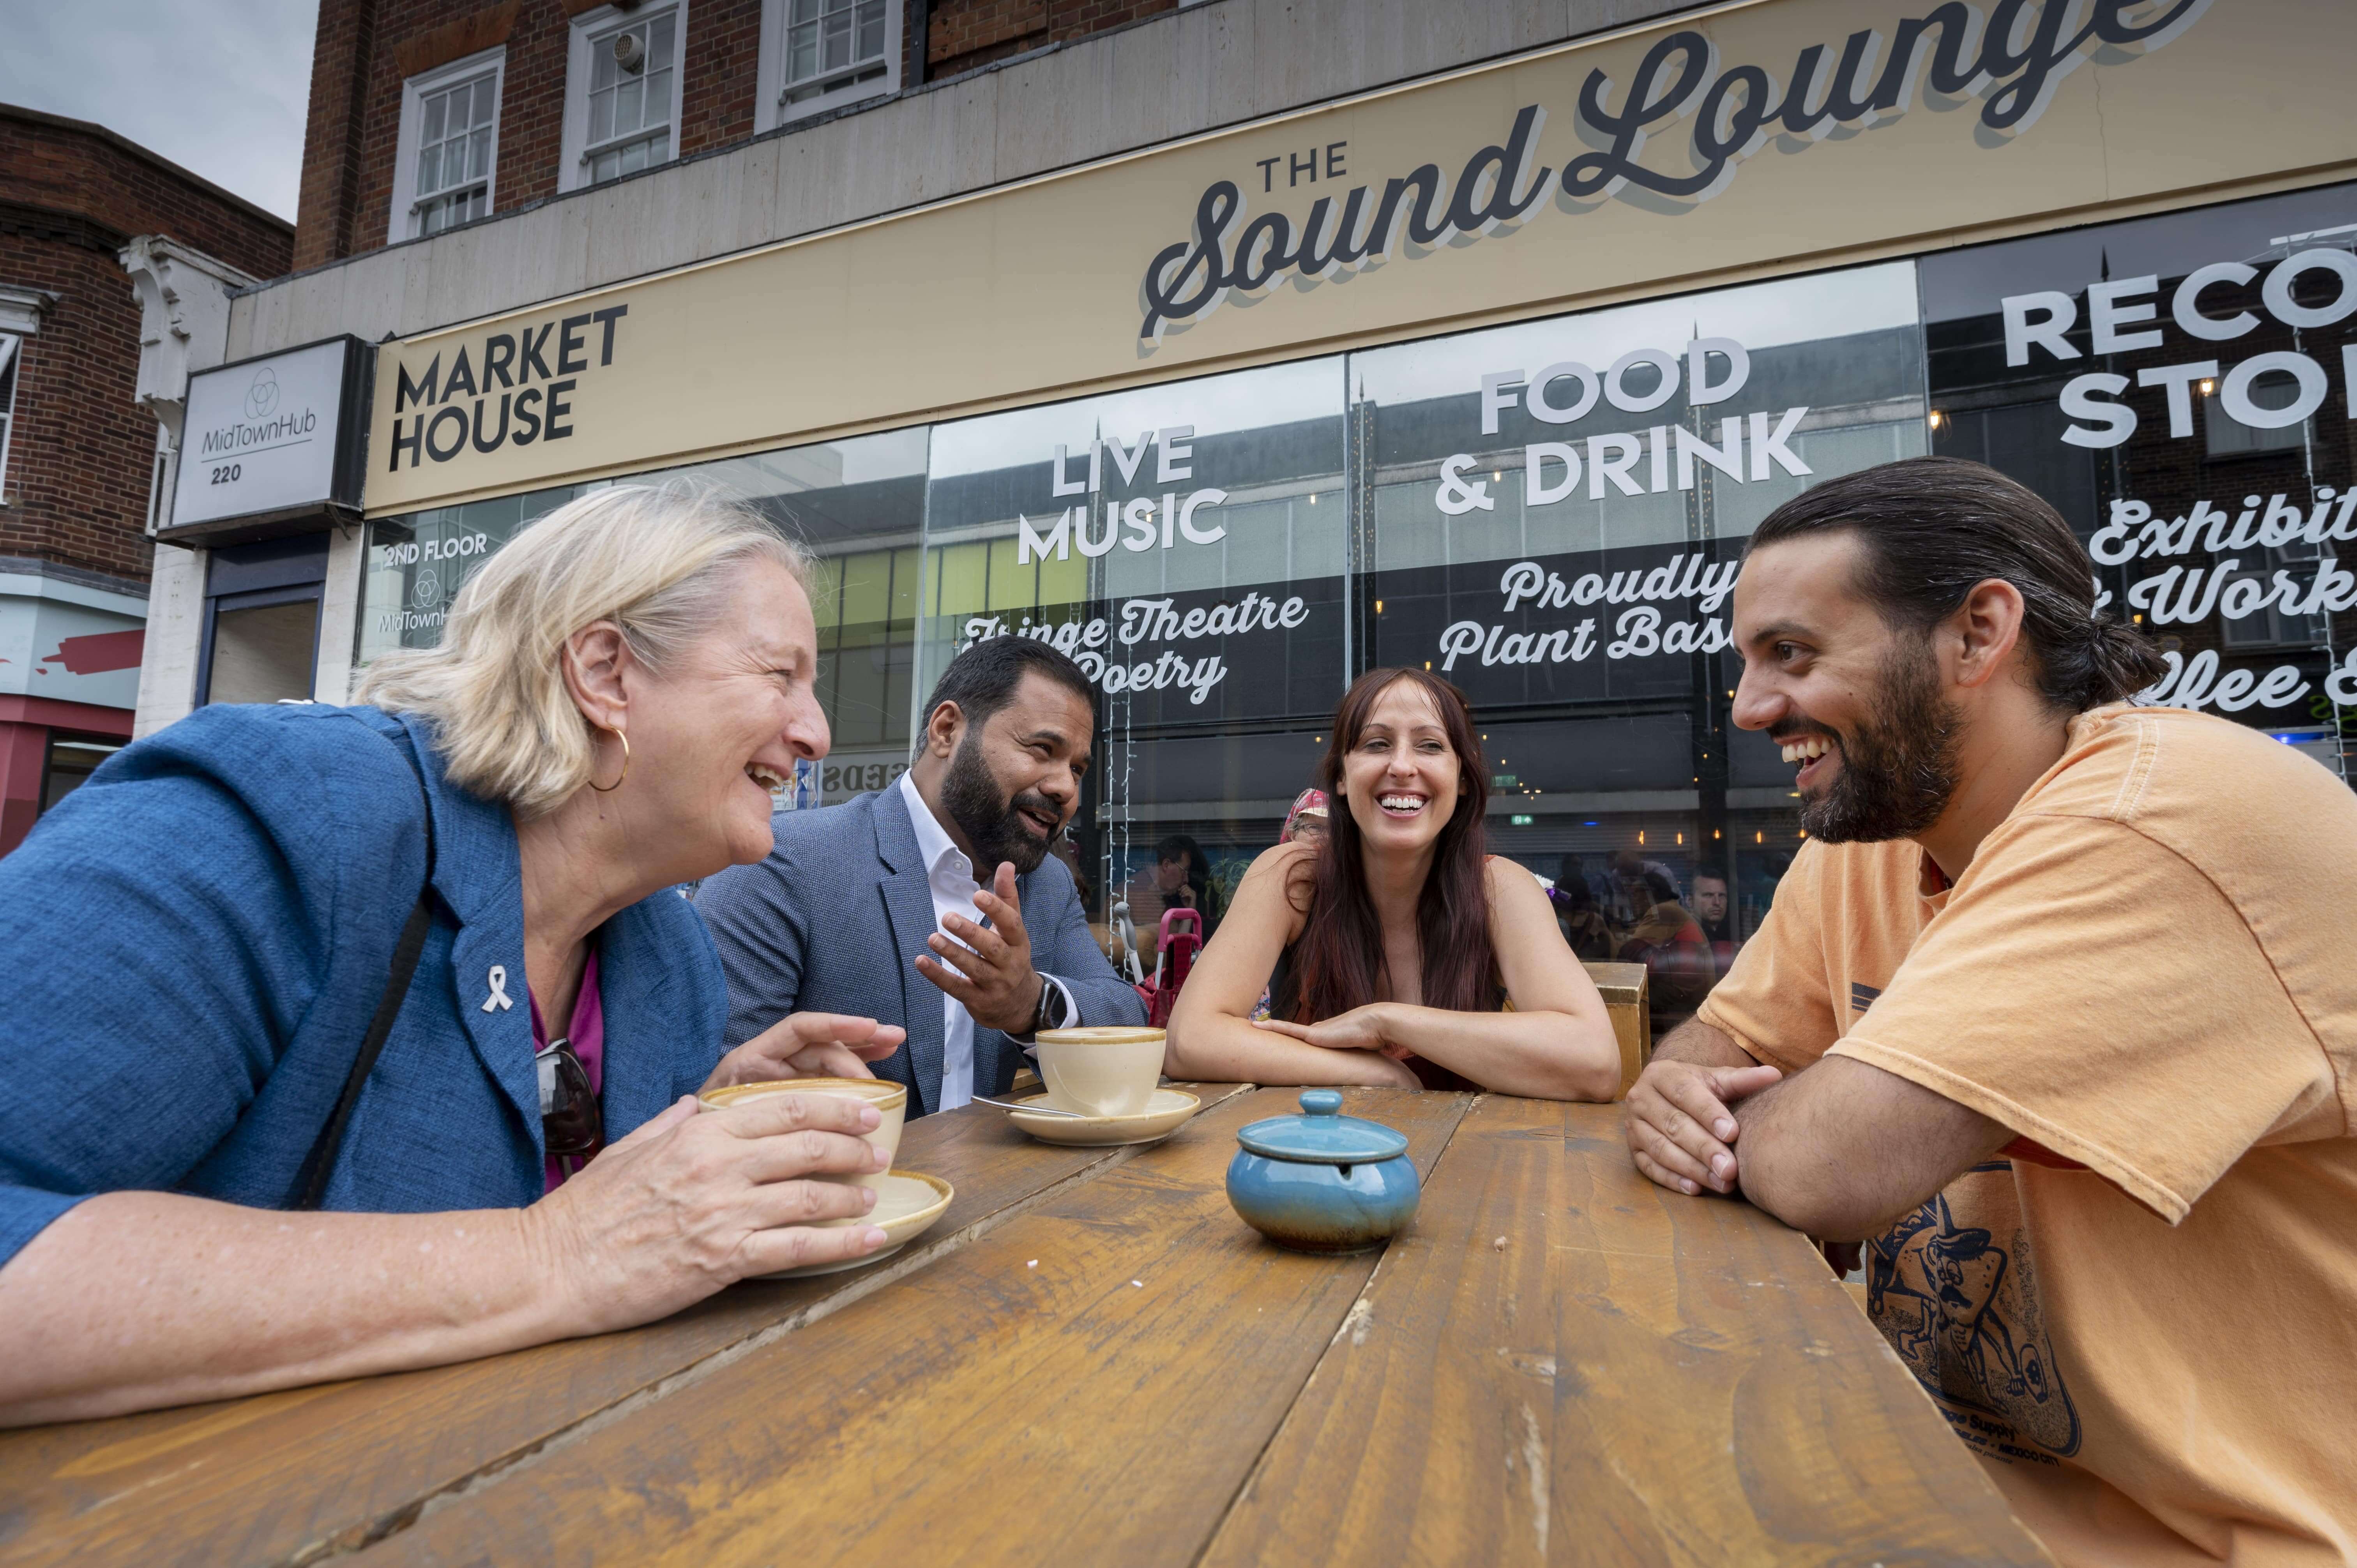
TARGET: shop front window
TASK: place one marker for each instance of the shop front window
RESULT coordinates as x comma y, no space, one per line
2179,387
1557,514
1189,545
858,504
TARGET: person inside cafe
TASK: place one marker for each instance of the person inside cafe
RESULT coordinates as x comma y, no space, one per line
2056,1013
1669,941
1712,914
1182,877
1306,822
473,871
1632,894
1576,914
1398,954
945,875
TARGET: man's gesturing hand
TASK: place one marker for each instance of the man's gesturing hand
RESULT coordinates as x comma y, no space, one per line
994,978
1681,1133
809,1044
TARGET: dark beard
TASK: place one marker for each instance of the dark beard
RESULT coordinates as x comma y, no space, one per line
1898,771
971,796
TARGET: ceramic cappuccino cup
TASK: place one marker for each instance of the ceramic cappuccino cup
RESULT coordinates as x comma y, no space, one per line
1109,1071
890,1099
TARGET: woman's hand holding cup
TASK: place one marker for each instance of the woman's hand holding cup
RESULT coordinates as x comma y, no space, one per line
699,1198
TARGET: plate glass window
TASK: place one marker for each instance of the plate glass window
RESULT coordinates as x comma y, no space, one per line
858,505
1188,546
2178,387
1558,511
631,71
456,143
832,45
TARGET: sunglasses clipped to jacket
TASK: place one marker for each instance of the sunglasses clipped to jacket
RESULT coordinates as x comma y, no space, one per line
571,1121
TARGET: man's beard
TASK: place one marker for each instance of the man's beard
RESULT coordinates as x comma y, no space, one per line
1898,771
988,819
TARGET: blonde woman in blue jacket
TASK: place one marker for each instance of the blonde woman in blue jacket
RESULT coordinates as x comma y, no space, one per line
194,948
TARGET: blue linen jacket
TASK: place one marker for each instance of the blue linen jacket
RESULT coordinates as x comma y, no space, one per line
192,945
832,921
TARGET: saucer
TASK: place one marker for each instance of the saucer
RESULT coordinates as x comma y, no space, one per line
1163,1115
907,1204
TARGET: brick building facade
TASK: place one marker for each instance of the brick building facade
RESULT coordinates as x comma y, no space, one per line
368,49
78,465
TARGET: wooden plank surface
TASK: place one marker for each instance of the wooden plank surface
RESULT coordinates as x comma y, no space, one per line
1088,1383
292,1476
1634,1377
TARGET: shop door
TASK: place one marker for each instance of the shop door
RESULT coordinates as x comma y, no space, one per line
262,621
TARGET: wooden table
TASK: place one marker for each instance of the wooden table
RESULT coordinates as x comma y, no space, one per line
1092,1360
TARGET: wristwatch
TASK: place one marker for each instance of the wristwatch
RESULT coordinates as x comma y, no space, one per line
1050,1013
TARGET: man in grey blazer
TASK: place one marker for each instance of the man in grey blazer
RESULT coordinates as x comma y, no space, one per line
933,905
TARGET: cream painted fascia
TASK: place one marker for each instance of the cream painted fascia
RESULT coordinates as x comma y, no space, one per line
1469,321
2063,204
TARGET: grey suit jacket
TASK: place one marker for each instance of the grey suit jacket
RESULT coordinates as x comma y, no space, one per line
833,919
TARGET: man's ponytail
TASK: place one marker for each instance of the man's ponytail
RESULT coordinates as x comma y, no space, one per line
2120,663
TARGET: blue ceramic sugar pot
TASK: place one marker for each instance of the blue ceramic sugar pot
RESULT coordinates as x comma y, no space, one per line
1323,1182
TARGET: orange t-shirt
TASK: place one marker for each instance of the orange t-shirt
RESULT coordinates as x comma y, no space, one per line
2145,1321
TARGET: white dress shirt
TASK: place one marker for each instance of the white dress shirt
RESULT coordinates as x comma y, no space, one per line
949,877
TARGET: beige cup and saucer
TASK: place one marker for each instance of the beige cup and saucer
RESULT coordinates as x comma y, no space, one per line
907,1202
1107,1077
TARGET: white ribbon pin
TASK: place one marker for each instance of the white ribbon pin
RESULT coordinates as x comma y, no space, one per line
497,1000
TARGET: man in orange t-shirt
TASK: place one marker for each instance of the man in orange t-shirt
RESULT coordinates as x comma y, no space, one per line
2056,1013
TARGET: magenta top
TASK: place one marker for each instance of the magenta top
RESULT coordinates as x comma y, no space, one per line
587,1036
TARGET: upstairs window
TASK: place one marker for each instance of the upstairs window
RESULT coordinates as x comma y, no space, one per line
449,146
622,107
818,55
9,345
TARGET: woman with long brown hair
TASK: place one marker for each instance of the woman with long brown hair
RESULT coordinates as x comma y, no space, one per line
1396,953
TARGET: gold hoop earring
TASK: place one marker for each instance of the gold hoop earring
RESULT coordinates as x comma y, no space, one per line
609,789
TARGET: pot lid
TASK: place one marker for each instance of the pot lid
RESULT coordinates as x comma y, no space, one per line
1323,1135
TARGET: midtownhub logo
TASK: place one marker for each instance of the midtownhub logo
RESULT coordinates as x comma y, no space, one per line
532,370
257,435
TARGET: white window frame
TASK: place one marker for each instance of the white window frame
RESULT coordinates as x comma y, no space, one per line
11,347
770,71
20,317
401,222
572,169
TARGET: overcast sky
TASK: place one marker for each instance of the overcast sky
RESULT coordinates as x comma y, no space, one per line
220,87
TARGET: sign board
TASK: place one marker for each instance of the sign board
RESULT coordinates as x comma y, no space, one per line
1740,141
272,445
